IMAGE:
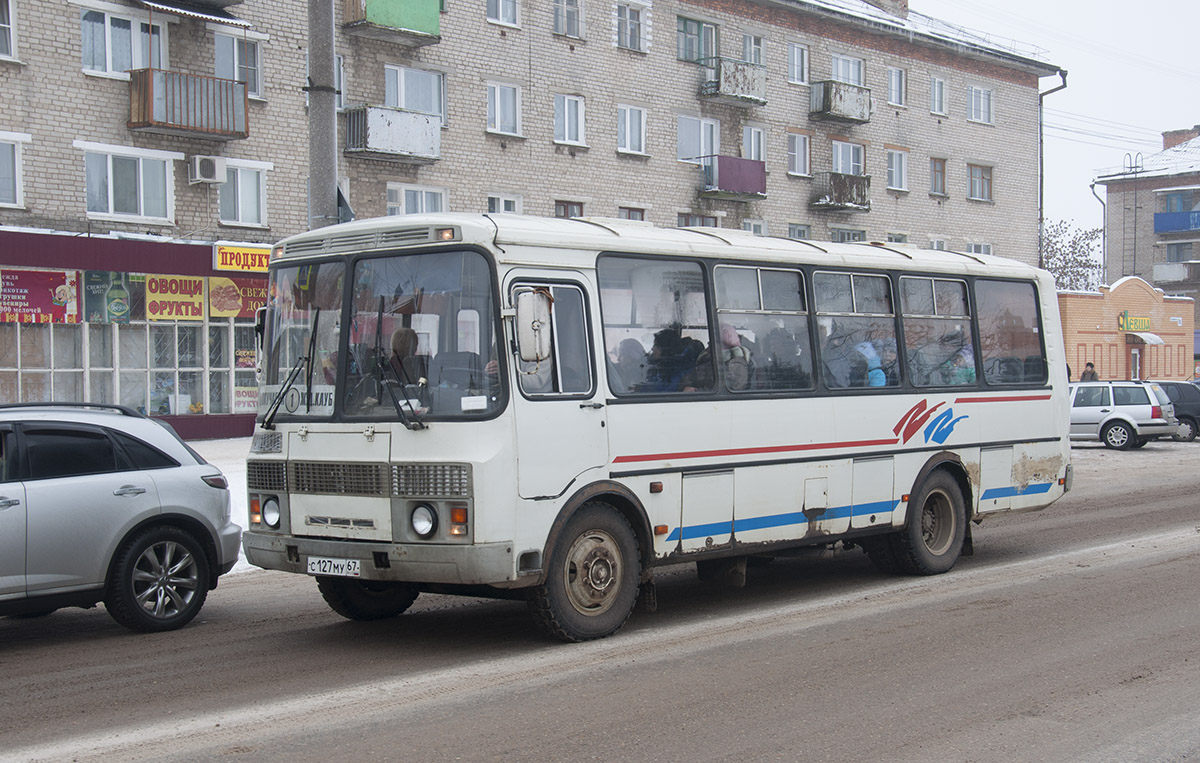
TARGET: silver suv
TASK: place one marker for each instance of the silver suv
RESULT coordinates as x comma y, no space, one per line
100,503
1122,414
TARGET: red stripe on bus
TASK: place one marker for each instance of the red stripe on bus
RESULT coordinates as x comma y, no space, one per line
752,451
1018,399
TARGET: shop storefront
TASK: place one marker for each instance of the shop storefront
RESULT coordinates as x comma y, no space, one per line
164,328
1129,330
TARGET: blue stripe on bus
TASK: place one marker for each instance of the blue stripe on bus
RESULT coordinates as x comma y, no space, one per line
1012,492
779,520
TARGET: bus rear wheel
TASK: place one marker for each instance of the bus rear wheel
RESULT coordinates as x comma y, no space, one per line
932,539
366,599
592,579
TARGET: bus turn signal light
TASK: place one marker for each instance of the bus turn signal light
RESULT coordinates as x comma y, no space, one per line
255,511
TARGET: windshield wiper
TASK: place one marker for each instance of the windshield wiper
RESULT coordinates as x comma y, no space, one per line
382,366
291,377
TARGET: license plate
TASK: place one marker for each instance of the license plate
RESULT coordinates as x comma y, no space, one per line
320,565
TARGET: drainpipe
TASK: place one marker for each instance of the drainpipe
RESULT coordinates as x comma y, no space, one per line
1042,170
1103,233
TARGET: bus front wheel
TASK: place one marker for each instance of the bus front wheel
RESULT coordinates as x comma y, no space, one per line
932,539
592,580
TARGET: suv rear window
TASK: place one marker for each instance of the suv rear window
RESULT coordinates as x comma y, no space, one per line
1130,396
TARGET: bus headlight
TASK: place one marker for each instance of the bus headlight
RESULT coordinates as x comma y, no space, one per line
423,520
271,513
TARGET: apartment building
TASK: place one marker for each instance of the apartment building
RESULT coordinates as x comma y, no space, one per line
151,150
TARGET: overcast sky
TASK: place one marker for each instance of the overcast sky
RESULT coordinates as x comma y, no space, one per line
1132,73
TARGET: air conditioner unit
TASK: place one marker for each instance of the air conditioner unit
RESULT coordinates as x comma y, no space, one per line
206,169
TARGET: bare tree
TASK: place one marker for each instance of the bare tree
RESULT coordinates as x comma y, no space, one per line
1072,255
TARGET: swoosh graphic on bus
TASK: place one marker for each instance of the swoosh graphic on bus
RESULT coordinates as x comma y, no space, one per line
779,520
751,451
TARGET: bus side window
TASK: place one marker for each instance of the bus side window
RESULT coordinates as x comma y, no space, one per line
1009,332
857,329
938,339
568,369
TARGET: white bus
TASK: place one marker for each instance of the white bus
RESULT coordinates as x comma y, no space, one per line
550,409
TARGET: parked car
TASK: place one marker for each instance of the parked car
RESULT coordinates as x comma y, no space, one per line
1185,396
102,504
1121,414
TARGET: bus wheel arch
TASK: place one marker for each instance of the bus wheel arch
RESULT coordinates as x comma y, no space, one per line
622,500
935,527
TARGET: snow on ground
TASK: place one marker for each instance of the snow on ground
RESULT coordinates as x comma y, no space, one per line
230,457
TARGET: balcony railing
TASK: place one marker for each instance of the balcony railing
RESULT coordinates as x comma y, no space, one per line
195,105
840,102
1176,222
395,135
411,23
834,190
733,178
737,83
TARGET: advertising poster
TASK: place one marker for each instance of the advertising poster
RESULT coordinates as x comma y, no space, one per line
174,298
245,399
235,297
39,296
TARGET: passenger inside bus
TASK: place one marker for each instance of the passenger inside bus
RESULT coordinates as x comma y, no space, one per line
408,366
737,363
670,359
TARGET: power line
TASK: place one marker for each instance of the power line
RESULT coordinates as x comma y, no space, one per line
1102,122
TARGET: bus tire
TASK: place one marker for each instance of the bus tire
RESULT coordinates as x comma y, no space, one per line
366,599
932,539
592,579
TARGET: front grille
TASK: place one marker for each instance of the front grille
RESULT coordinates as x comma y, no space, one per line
427,480
266,475
329,478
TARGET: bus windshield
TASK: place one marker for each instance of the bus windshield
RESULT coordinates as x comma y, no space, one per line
421,339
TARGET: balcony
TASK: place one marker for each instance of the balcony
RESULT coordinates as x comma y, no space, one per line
393,135
411,23
733,178
733,82
192,105
839,102
836,191
1176,222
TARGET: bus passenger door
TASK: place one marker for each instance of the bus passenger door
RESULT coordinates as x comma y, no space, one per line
561,419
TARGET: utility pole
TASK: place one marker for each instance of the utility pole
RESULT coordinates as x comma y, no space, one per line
322,117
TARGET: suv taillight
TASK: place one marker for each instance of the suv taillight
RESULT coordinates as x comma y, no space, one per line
1156,411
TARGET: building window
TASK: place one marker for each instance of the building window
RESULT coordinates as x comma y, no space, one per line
847,158
937,177
799,232
797,64
848,70
897,86
757,227
413,199
568,209
630,33
243,197
11,188
1179,252
414,90
1180,201
695,40
8,44
897,238
697,139
568,119
631,213
129,182
979,248
752,49
237,58
504,204
897,172
567,20
844,235
502,12
981,182
504,108
753,144
686,220
115,44
938,244
980,103
797,154
631,129
937,95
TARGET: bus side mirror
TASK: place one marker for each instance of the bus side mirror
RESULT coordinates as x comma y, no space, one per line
260,331
533,325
